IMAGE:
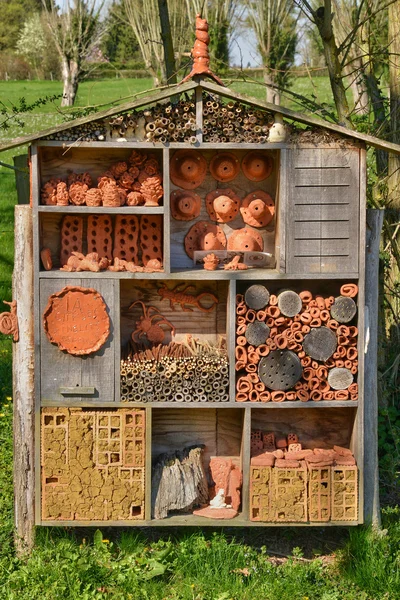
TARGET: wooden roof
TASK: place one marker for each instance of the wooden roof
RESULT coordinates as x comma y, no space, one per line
174,90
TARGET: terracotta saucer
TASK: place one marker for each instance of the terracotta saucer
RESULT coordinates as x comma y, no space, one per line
222,205
185,205
245,240
257,166
204,235
258,209
188,169
224,166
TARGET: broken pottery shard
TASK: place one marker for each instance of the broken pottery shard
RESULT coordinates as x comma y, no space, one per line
212,513
76,319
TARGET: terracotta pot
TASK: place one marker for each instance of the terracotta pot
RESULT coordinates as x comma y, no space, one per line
257,165
222,205
224,166
185,205
204,235
188,169
258,209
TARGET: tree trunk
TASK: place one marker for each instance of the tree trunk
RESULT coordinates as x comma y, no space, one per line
394,82
272,94
70,75
167,42
358,87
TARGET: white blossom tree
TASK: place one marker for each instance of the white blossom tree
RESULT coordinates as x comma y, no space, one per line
31,42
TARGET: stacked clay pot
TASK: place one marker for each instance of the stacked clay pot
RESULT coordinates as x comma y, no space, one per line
318,352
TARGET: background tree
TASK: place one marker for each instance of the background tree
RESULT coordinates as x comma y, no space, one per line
119,43
274,26
76,29
32,42
13,14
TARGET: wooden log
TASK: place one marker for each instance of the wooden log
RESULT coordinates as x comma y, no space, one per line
280,370
257,333
256,297
23,384
371,472
343,309
340,378
289,303
320,343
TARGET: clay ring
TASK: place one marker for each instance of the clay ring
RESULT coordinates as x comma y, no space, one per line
257,165
185,205
188,169
258,209
222,205
224,166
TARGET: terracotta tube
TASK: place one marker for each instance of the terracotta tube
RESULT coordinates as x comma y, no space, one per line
328,395
305,318
299,386
243,385
355,363
241,309
273,346
340,352
240,320
239,299
314,383
252,377
280,321
253,357
251,349
281,342
330,362
353,388
261,315
265,396
278,396
342,395
262,350
352,353
296,318
315,312
273,311
241,340
348,364
353,331
354,370
305,329
306,361
290,395
332,324
273,300
289,333
322,372
241,330
312,304
340,364
299,337
241,397
308,373
316,395
260,387
301,354
241,354
343,340
303,395
254,396
292,345
325,315
324,386
270,322
343,330
329,301
305,296
349,289
273,332
296,326
239,365
354,396
250,315
251,368
315,365
316,323
320,302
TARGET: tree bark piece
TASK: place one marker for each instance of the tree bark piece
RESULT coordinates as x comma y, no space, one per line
23,384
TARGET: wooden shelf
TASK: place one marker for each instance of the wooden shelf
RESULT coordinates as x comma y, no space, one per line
240,405
103,210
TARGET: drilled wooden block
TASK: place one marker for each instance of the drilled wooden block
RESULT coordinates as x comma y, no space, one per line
256,296
289,494
319,493
92,464
71,237
280,370
343,309
320,343
344,481
289,303
126,236
261,494
257,333
151,237
99,235
340,378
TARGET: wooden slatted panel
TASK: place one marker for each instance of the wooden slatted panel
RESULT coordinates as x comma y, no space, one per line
60,369
323,211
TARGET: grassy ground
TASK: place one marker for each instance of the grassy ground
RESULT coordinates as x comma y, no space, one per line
69,564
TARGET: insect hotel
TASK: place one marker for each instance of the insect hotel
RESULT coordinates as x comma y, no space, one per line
190,285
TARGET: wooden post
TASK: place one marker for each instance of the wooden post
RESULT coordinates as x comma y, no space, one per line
371,473
23,384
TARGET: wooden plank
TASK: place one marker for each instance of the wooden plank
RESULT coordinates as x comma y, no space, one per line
281,225
307,248
149,99
148,461
228,433
24,385
321,212
321,230
246,463
337,177
167,217
309,159
100,210
236,405
116,308
192,521
318,196
231,338
21,172
370,421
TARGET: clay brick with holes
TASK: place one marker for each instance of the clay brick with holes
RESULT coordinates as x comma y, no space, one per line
99,235
126,238
71,237
289,494
92,464
261,494
344,493
319,493
256,442
151,238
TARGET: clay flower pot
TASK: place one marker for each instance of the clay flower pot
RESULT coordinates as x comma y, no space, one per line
210,262
257,165
246,240
188,169
204,235
222,205
224,166
258,209
185,205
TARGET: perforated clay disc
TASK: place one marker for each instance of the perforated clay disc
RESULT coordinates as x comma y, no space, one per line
343,309
257,333
320,343
256,297
340,378
280,370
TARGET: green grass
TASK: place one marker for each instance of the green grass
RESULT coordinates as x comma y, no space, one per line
75,564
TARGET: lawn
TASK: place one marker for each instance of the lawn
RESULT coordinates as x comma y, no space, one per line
267,564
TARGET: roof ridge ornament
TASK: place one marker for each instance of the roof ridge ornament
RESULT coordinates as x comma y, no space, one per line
200,53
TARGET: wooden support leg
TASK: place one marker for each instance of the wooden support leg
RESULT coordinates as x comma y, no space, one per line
23,384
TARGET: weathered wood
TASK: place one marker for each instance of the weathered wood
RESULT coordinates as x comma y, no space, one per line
371,473
23,384
289,303
257,333
257,296
320,343
340,378
280,370
22,178
343,309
